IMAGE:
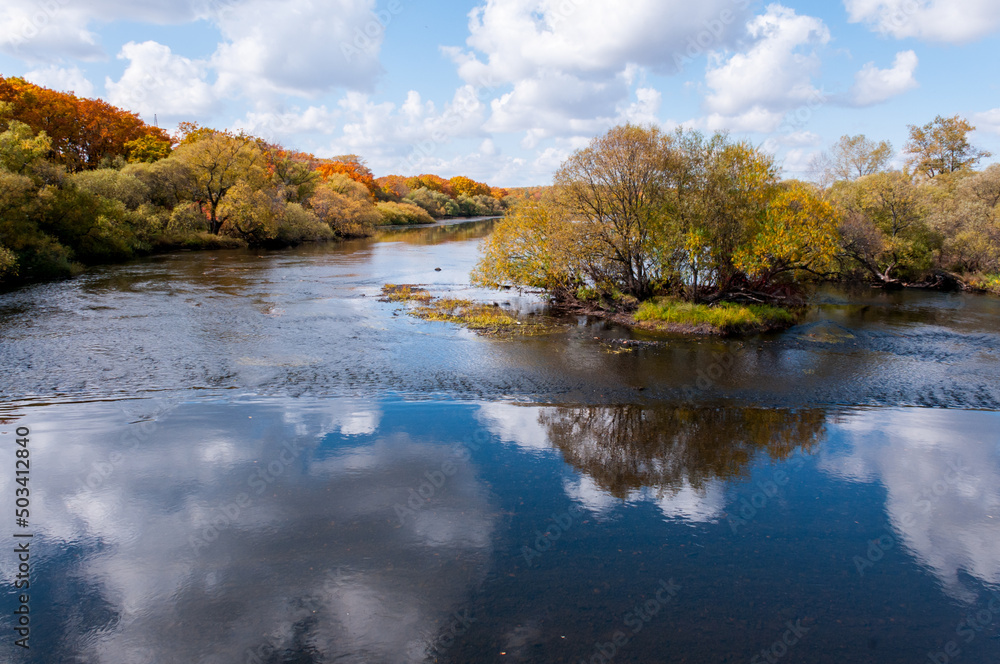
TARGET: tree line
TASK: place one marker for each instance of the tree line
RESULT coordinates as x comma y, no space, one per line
83,182
641,213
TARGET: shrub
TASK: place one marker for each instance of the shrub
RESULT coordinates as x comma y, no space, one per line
398,214
298,225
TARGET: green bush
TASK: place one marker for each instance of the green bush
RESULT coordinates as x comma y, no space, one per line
299,225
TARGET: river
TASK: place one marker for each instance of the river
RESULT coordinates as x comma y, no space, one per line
246,456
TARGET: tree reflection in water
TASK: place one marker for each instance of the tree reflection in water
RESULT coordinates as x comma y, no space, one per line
630,447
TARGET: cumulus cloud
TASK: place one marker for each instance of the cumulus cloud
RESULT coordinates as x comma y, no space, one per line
158,81
953,21
55,30
942,483
64,79
522,38
300,47
873,85
568,68
47,33
753,89
401,136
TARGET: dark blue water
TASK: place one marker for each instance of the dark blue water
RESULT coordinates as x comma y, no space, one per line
240,459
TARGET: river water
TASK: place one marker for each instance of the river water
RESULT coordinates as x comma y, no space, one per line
247,457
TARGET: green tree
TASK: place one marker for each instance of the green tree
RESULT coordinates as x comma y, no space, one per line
884,231
942,146
533,246
218,161
21,149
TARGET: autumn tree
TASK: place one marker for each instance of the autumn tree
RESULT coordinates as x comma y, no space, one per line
147,149
353,167
293,172
218,161
798,234
346,206
854,157
641,213
883,230
534,246
394,185
83,131
615,190
942,146
966,213
463,186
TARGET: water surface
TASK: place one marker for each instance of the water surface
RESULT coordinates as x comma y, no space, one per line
242,456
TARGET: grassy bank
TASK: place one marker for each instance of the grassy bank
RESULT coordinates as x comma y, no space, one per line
724,318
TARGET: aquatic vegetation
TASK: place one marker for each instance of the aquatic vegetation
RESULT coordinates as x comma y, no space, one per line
404,293
720,318
487,318
491,319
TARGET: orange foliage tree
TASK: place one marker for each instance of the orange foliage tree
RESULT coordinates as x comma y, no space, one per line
353,167
432,182
394,185
83,131
463,186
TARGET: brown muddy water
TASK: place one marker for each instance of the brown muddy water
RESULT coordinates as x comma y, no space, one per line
246,457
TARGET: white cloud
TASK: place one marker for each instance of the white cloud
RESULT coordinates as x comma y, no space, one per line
399,137
757,119
521,38
873,85
284,126
46,34
954,21
158,81
752,90
54,30
64,79
942,482
573,63
988,121
299,47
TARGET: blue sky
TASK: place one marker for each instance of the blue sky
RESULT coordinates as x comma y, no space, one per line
505,90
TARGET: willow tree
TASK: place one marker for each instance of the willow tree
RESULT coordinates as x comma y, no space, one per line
218,161
616,190
644,213
533,246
